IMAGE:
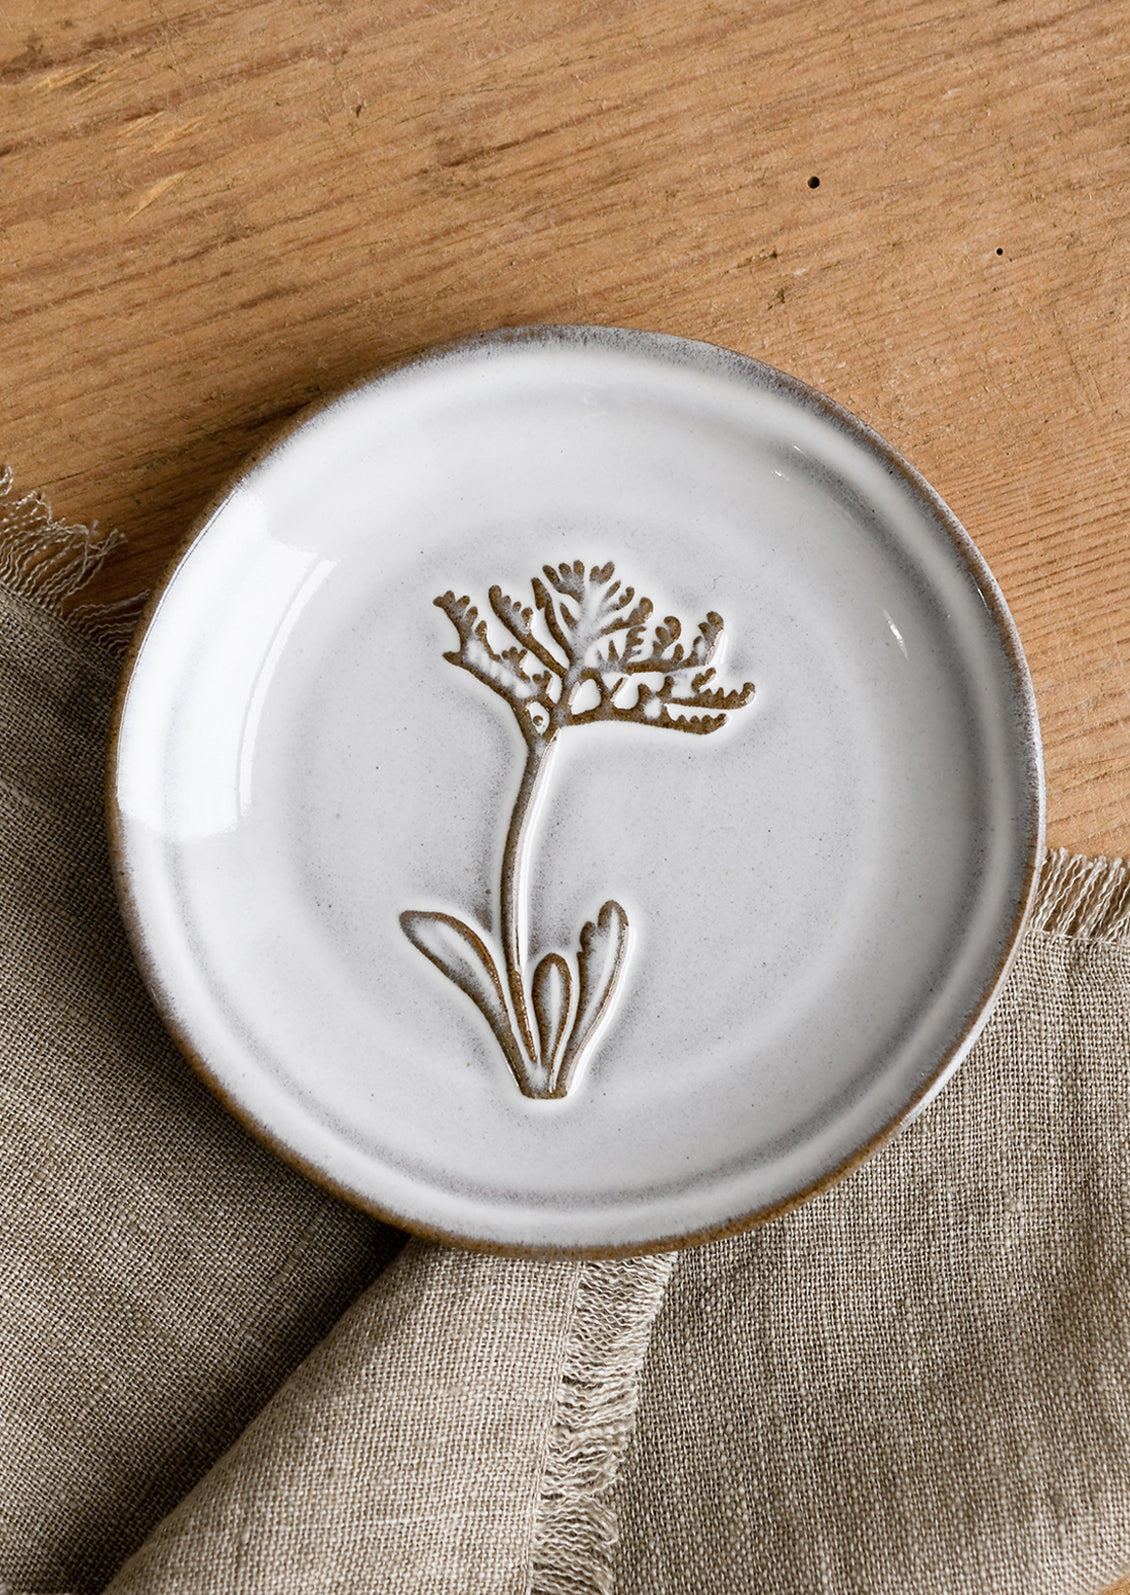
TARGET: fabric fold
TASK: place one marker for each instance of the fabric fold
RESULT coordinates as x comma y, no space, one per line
457,1433
575,1531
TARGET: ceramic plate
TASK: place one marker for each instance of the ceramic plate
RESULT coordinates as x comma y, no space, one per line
579,791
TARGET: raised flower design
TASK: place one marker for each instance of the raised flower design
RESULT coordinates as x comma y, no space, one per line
586,651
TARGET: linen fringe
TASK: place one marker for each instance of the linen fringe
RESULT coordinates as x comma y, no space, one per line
575,1532
49,563
1082,898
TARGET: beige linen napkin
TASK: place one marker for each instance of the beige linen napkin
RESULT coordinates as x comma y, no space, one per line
160,1273
919,1382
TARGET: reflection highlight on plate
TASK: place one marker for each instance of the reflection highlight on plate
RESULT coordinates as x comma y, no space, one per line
225,676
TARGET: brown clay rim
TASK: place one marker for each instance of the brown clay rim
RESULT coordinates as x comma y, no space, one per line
693,354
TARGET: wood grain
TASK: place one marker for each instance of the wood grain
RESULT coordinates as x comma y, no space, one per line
213,214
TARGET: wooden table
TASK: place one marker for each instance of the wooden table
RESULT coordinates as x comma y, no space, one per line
213,213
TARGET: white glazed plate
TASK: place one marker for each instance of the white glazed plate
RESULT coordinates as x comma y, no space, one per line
577,792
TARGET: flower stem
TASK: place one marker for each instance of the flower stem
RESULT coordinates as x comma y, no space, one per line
512,893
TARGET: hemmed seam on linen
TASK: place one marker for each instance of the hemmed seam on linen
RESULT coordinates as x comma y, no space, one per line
48,563
575,1531
1082,898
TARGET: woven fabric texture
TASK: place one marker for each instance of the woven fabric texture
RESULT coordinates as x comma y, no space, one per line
919,1383
421,1449
160,1273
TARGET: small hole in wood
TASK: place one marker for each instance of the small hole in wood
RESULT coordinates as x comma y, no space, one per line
814,182
1000,251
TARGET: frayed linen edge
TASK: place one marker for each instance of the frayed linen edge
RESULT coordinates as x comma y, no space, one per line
1082,898
575,1531
48,563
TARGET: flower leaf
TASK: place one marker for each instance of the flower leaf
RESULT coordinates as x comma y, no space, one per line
553,995
603,951
466,960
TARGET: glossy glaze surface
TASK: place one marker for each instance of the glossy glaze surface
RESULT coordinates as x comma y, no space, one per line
820,894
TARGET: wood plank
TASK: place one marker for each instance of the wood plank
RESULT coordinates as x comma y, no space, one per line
214,214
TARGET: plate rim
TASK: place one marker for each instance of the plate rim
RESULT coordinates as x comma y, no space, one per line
698,354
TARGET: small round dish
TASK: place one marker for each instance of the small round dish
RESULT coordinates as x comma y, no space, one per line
578,792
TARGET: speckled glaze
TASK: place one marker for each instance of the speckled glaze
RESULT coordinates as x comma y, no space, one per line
796,918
